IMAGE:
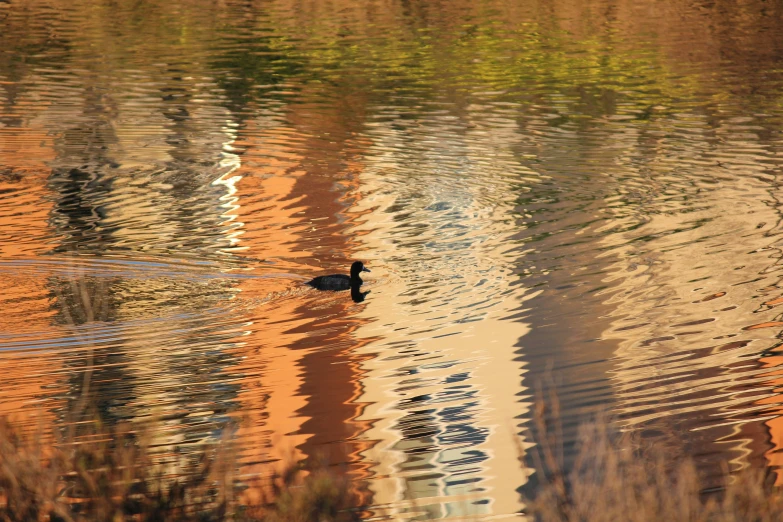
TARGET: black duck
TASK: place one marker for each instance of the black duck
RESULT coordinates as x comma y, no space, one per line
338,282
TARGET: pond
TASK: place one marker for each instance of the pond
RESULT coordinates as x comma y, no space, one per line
570,199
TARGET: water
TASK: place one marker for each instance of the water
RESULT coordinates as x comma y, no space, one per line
572,197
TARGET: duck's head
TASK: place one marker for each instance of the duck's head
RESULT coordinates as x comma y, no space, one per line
356,268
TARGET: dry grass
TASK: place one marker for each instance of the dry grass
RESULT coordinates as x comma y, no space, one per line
114,475
320,496
616,477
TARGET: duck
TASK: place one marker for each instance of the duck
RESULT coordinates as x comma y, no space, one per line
338,282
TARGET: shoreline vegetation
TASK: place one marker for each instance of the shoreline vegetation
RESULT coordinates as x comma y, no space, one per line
618,475
115,474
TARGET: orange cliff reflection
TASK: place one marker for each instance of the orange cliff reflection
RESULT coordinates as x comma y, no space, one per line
774,455
25,294
301,378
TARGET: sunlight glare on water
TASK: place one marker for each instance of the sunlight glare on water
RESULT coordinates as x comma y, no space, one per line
571,198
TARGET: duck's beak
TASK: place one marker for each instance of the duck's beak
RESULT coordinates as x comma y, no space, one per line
365,269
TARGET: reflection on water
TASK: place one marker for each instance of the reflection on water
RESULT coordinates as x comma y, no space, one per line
582,195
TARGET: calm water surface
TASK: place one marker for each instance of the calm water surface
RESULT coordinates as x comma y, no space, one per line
578,197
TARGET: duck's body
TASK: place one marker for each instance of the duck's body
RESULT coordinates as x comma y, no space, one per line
337,282
332,282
